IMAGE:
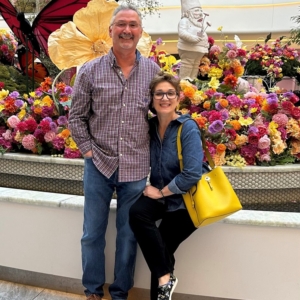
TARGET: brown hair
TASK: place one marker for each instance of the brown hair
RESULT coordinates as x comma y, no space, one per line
159,78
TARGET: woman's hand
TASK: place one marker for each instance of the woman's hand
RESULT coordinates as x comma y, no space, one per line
152,192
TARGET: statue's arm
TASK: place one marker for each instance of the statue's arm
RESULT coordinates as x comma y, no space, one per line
184,34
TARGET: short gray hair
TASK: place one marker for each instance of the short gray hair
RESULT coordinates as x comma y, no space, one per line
126,6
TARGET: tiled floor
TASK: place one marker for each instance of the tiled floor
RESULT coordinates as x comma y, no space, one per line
13,291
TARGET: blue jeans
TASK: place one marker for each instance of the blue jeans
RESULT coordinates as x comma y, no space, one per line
98,191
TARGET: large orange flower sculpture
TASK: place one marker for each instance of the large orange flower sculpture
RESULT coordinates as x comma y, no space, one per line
87,37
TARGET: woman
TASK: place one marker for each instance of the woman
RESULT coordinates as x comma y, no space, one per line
163,198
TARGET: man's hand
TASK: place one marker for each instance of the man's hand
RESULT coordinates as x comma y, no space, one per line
88,154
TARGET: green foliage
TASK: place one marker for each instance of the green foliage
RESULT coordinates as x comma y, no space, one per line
13,79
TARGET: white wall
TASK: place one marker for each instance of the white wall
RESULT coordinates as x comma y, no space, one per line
221,260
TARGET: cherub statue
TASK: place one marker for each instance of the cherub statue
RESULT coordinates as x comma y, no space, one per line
192,41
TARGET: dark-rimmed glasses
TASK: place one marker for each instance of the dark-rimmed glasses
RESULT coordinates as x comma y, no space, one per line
171,95
123,25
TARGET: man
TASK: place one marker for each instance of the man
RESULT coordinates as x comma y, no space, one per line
192,39
108,120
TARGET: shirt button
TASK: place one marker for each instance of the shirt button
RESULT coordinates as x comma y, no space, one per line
121,139
122,122
121,154
124,104
125,87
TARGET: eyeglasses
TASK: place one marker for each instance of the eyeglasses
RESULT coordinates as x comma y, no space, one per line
123,25
171,95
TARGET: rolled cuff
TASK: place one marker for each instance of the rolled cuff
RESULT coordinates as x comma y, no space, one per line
174,188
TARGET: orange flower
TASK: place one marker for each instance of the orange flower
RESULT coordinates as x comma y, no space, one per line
65,133
46,84
235,124
221,148
259,99
241,140
238,71
189,92
206,105
61,86
38,110
9,105
230,80
223,103
201,121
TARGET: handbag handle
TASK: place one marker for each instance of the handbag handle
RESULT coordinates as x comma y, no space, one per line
204,146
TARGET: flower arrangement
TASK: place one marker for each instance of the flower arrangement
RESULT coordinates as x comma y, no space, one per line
35,122
229,60
8,46
274,62
244,128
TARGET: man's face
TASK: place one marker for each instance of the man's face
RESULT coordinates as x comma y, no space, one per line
197,13
125,30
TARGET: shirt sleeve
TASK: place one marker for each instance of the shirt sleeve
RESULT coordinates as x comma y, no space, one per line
192,154
80,110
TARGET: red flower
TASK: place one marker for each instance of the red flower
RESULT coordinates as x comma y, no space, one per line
31,124
253,139
231,80
296,113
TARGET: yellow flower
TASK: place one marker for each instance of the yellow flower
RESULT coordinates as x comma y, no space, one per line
220,28
47,101
245,121
32,94
37,102
3,94
214,83
215,72
71,143
22,114
1,107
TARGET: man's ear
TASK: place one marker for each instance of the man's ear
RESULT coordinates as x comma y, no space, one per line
110,30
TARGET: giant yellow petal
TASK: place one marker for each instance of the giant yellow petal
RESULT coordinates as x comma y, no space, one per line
68,47
93,21
145,44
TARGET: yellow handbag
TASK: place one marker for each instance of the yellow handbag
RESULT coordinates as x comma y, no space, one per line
213,197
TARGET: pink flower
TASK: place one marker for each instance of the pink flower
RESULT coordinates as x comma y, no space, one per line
280,119
13,121
264,142
28,142
265,157
49,136
231,54
7,135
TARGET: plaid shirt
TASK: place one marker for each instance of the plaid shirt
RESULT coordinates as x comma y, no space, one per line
109,115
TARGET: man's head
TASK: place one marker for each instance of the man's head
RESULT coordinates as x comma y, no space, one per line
126,27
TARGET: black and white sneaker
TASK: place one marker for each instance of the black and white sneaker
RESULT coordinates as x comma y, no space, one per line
165,291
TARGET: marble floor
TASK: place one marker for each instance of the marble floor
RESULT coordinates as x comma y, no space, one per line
13,291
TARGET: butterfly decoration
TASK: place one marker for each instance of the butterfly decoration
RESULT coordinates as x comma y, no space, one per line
29,64
50,18
34,38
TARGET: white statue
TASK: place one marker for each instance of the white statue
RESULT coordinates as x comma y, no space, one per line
192,41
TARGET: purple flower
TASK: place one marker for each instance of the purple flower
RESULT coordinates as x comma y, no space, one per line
68,90
14,94
225,114
230,46
62,120
38,93
53,126
47,111
272,98
252,129
159,41
19,103
218,106
215,127
48,119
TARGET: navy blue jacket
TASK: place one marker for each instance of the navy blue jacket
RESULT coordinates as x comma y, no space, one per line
165,169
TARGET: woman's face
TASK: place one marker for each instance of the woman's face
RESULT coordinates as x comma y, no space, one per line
165,98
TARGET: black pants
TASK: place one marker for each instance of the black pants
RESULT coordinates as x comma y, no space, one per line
158,244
